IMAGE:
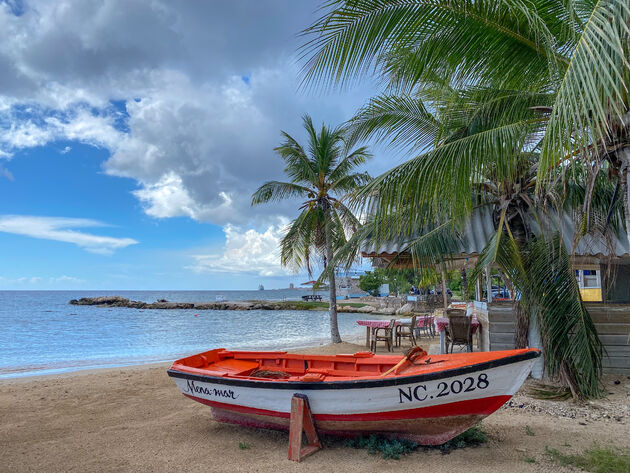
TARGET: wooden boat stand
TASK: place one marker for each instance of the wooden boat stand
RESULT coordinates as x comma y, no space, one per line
302,421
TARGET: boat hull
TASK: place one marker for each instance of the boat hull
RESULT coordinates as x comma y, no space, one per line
429,409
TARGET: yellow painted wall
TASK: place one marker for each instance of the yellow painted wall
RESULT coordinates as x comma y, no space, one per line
592,294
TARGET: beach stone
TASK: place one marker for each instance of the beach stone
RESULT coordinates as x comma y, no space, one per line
385,311
405,309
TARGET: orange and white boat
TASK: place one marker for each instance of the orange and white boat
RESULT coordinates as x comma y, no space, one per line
427,398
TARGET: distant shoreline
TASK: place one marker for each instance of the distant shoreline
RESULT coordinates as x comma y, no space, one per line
119,301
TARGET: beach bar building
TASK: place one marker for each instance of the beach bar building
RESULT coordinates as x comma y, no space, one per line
602,270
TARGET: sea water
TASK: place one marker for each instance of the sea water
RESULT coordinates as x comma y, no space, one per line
40,333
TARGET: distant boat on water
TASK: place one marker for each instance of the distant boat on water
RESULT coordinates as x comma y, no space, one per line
261,287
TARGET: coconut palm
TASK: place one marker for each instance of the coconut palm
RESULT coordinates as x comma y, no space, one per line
577,51
555,77
426,202
320,175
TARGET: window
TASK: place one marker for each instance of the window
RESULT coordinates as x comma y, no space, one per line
591,278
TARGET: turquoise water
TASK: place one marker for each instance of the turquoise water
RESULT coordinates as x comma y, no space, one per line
40,333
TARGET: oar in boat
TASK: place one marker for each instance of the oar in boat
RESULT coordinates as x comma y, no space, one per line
410,356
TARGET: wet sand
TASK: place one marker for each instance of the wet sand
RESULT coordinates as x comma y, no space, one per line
135,419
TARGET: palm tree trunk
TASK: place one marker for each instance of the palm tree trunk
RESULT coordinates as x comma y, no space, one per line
334,328
624,156
444,295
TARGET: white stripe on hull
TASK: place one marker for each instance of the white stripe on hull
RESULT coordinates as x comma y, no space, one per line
502,380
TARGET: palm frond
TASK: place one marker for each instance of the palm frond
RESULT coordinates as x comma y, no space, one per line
275,190
402,121
573,350
592,97
506,38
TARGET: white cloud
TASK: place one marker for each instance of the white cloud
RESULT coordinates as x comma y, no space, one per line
206,89
41,281
245,252
61,229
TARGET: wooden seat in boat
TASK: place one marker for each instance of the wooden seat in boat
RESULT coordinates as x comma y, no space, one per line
233,367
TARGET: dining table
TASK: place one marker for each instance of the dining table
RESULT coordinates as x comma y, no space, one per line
442,322
371,325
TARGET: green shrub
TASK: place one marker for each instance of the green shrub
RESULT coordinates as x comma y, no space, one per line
389,448
394,448
473,437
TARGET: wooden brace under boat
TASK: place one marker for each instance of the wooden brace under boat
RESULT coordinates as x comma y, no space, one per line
426,398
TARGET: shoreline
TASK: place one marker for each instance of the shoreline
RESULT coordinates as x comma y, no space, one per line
342,306
122,364
135,419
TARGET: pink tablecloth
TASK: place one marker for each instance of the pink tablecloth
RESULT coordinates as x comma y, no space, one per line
375,323
442,322
420,321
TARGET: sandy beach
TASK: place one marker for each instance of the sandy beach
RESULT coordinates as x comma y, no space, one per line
135,419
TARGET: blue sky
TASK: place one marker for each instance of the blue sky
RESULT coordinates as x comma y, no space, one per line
132,134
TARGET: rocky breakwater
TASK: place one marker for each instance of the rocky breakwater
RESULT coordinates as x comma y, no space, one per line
118,301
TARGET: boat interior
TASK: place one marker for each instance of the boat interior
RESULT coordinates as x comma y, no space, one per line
283,366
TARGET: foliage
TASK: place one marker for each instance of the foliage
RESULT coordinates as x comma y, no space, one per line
399,280
596,459
512,110
388,448
244,446
542,273
394,448
473,437
371,281
320,175
529,431
552,393
454,281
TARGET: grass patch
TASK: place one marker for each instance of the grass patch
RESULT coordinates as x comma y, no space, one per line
395,448
473,437
528,431
596,459
388,448
529,460
352,304
303,305
244,446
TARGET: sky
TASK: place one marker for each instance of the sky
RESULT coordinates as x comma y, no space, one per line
133,133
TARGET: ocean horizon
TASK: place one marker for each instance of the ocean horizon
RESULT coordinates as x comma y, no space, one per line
43,334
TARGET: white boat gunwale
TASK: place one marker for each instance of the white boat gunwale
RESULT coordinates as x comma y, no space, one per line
365,382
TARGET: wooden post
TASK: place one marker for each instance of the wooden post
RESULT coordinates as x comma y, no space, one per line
478,290
444,296
489,283
302,421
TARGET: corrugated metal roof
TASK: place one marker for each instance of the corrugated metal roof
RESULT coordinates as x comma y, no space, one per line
480,228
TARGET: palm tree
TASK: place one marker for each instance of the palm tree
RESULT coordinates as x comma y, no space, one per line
575,52
414,204
321,176
555,117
